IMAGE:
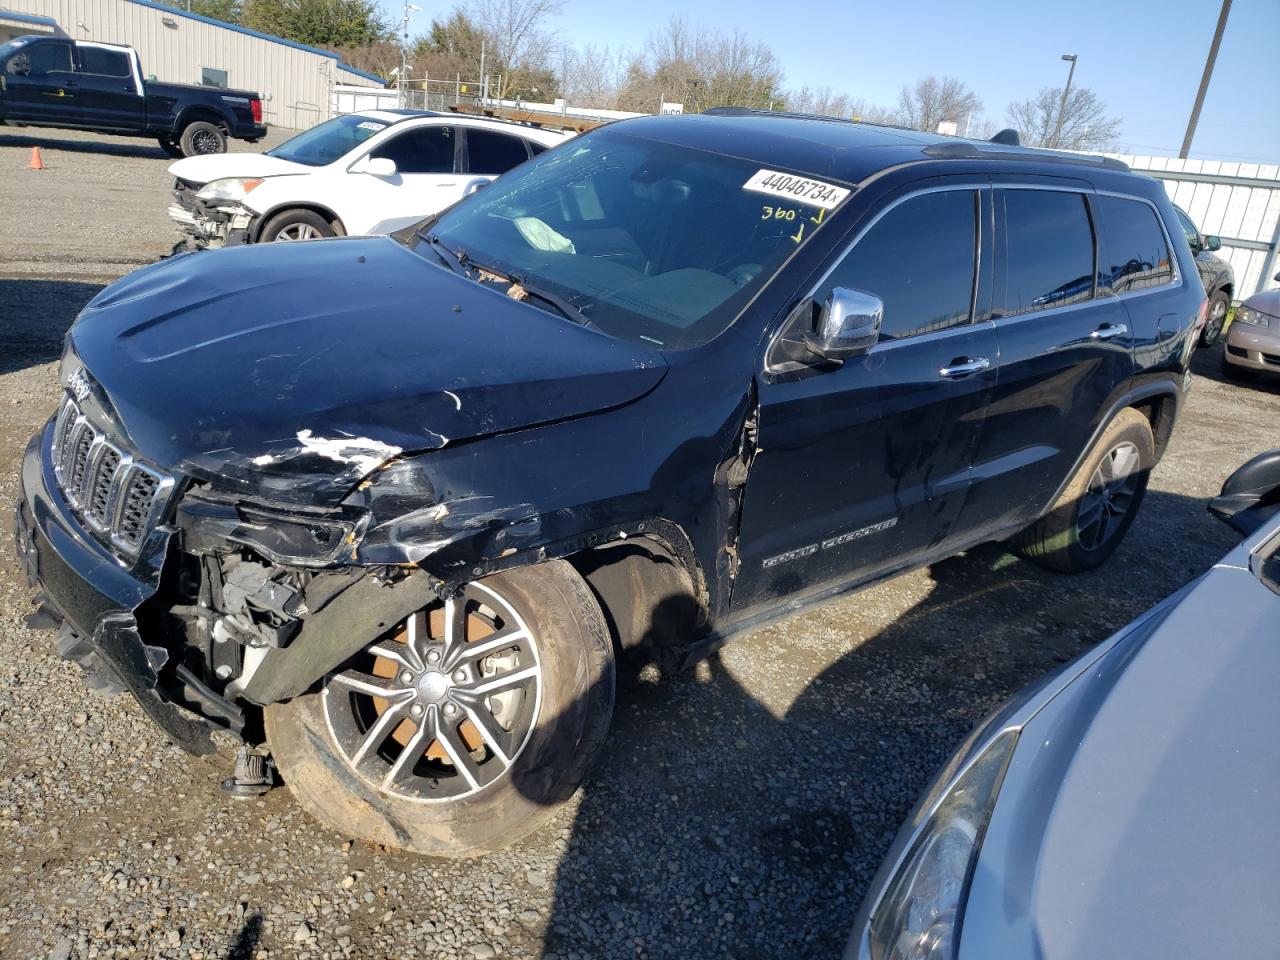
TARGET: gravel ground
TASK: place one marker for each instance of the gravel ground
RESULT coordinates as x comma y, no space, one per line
740,809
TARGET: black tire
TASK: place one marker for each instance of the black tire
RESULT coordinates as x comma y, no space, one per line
171,148
202,137
1067,539
291,225
1219,307
569,722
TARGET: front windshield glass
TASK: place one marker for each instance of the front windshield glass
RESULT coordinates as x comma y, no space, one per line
326,142
650,241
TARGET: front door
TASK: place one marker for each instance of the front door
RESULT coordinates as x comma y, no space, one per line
110,93
427,179
40,85
863,467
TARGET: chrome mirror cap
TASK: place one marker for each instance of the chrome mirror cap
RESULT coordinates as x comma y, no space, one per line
848,325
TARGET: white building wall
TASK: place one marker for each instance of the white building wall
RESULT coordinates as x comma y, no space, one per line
1238,211
294,83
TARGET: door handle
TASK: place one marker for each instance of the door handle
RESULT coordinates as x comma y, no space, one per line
1109,331
963,366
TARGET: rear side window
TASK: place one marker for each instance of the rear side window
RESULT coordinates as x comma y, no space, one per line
1049,250
490,152
919,260
107,63
420,150
1135,254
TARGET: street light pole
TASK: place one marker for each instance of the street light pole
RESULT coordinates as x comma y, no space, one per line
1204,80
1062,107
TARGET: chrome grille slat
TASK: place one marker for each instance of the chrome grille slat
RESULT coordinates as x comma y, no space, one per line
118,498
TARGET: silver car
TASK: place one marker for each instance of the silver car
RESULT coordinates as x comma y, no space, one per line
1253,339
1123,807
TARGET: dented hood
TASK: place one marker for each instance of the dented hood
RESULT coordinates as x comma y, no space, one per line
296,369
217,166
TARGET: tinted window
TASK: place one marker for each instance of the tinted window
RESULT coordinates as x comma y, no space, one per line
536,148
918,259
420,150
1049,247
1134,253
1189,230
107,63
37,59
491,153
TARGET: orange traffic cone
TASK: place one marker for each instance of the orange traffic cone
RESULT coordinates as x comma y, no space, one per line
36,163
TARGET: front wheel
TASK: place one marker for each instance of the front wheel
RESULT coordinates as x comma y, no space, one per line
296,225
1219,304
460,730
1099,504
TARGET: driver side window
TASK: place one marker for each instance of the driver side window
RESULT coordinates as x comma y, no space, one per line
919,259
40,59
1189,231
420,150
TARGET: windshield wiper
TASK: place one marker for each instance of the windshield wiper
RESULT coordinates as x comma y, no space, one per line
442,250
566,309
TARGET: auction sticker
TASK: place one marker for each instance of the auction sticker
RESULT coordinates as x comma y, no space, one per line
815,193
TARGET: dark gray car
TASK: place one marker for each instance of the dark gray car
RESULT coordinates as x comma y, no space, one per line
1216,274
1123,807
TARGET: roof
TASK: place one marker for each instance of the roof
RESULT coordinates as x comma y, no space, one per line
398,115
236,28
829,147
29,18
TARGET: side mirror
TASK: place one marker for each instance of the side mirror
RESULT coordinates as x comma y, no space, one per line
375,166
1212,243
848,325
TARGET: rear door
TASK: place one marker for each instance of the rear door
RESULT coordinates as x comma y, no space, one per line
40,84
862,467
110,88
427,179
491,153
1066,351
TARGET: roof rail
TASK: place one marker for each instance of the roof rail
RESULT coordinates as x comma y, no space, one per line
985,150
796,115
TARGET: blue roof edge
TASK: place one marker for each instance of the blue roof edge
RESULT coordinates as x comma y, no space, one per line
28,18
175,11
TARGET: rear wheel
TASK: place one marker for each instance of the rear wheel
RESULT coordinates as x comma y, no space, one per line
461,729
1098,506
201,137
296,225
1219,304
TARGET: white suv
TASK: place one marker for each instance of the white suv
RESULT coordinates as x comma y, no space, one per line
360,173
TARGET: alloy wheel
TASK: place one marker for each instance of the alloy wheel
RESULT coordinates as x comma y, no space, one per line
298,231
1109,496
206,141
1217,315
442,705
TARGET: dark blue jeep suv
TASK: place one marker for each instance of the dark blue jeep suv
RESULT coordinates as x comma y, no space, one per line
389,505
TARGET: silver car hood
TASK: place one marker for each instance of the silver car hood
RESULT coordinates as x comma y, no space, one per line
1137,818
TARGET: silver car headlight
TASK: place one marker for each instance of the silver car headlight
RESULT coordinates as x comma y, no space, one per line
227,190
918,917
1255,317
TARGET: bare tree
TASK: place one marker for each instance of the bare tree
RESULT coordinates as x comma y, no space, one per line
1085,124
591,77
701,68
931,101
517,37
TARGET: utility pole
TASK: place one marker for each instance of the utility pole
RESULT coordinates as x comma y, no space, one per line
1204,80
1062,107
409,10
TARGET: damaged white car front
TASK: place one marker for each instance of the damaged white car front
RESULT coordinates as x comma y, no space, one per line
213,214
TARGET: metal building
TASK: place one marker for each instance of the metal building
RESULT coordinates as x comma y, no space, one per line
295,81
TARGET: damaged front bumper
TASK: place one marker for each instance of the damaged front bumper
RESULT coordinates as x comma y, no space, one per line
92,599
205,226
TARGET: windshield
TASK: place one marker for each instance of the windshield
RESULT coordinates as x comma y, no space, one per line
326,142
648,241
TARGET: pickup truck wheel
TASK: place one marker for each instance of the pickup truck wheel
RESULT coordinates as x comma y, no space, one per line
460,730
1097,507
172,148
1219,304
201,137
296,225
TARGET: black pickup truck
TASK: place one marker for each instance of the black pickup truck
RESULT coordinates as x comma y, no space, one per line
83,85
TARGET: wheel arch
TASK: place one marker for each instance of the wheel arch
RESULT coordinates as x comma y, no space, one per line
285,205
198,112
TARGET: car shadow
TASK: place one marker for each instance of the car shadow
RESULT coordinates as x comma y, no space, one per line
1207,362
109,146
37,315
745,817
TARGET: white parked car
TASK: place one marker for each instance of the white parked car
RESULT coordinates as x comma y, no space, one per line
361,173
